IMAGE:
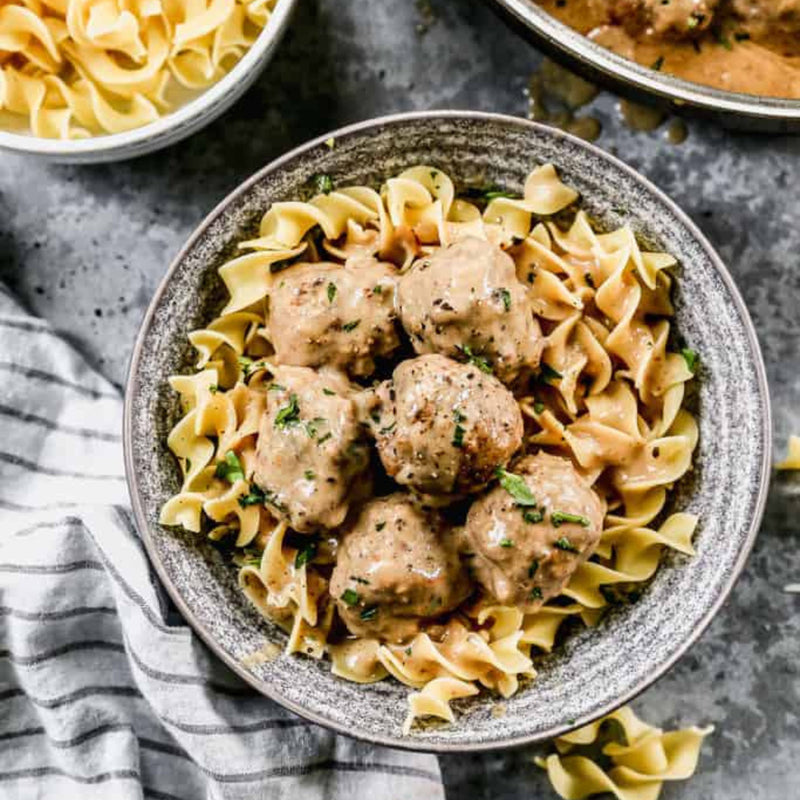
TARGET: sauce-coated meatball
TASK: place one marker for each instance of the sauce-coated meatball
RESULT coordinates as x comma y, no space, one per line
397,566
443,427
329,314
527,536
465,301
311,454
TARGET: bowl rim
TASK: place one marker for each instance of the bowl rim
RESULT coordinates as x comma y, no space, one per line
615,68
186,118
408,742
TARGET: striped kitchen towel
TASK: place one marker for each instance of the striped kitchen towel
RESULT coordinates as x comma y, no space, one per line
101,695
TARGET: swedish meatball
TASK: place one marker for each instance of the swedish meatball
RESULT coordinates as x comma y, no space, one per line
311,454
527,535
443,427
330,314
677,19
465,300
397,566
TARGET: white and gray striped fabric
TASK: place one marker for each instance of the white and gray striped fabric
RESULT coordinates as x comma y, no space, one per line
102,694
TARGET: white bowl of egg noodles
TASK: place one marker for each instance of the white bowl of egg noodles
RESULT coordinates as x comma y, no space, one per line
557,526
89,88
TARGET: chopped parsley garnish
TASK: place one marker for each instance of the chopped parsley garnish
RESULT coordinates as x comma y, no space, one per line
658,63
358,580
506,543
536,593
691,358
350,596
560,517
506,297
533,568
328,392
305,554
351,326
694,20
256,497
388,428
565,544
288,414
324,184
515,485
331,291
214,388
369,613
534,516
493,194
246,364
276,387
379,526
377,289
549,374
458,415
309,475
481,362
538,406
230,469
459,430
312,427
252,558
323,439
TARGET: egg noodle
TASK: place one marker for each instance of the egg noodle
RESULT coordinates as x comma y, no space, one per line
611,400
78,68
642,758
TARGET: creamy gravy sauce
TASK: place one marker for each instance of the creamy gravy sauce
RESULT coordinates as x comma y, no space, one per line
766,64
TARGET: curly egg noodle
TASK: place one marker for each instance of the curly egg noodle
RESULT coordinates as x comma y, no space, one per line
72,69
611,400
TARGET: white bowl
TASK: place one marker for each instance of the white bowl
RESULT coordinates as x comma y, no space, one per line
171,128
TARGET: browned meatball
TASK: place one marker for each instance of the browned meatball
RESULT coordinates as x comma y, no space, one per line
678,19
311,454
465,301
762,18
527,536
329,314
397,566
443,427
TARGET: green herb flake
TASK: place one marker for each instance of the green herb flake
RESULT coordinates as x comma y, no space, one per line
493,194
658,63
379,526
369,613
536,593
515,485
246,364
350,596
256,497
312,427
458,435
506,543
548,374
324,438
691,358
506,297
351,326
276,387
565,544
331,291
323,183
309,475
538,406
359,580
328,392
532,517
306,554
560,517
459,415
288,414
481,362
388,428
214,388
532,569
230,469
377,289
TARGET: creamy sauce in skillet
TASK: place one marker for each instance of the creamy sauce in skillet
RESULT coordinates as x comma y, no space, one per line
738,46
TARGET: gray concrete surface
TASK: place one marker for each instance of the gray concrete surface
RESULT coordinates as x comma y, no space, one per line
86,246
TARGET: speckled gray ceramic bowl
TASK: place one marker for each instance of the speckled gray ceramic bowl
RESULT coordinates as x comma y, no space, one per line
600,65
595,670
